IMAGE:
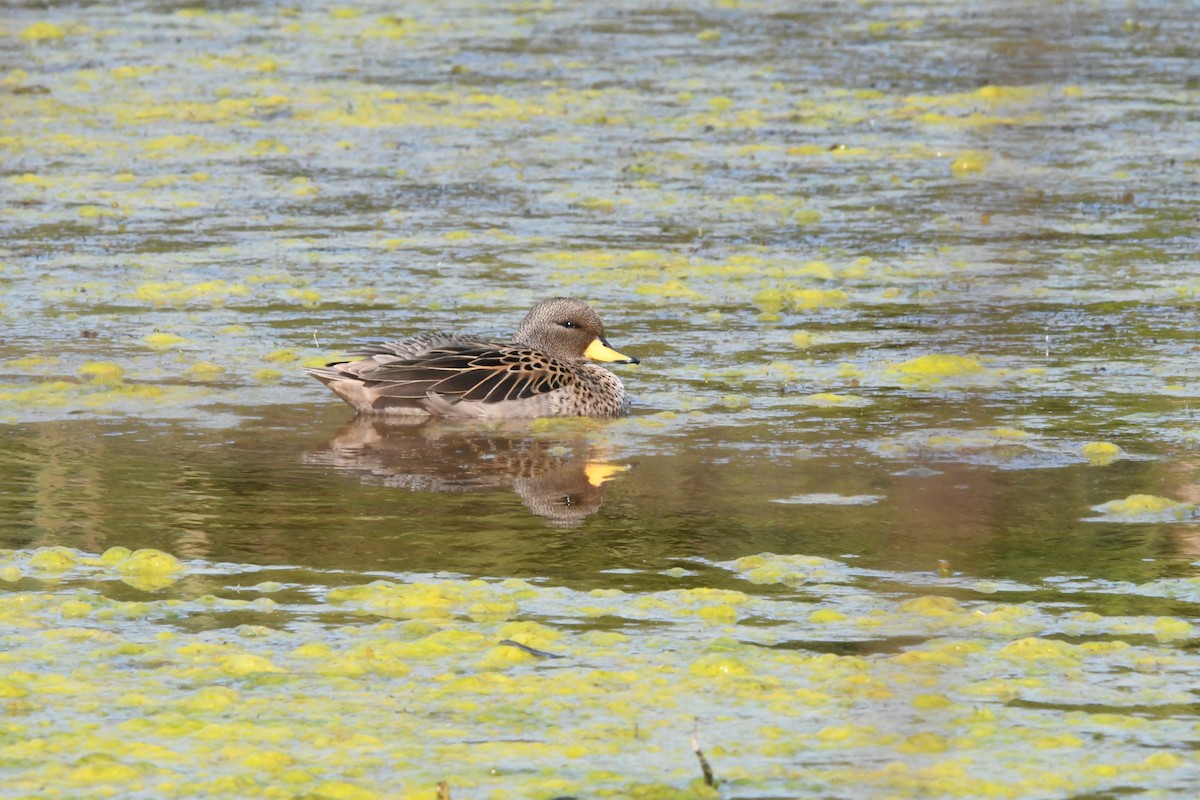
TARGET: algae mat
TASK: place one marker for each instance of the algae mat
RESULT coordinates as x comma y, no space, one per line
510,689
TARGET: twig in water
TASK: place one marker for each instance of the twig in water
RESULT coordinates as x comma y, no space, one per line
704,767
531,650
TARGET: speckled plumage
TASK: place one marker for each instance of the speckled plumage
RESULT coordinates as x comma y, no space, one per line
542,372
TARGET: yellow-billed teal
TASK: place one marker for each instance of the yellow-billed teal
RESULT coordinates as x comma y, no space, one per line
543,371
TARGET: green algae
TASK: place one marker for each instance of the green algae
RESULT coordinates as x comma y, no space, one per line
374,706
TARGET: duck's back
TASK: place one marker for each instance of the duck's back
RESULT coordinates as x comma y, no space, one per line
421,345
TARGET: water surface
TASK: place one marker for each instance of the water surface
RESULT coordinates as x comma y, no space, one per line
905,506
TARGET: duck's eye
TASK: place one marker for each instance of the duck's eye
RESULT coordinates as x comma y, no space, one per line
568,324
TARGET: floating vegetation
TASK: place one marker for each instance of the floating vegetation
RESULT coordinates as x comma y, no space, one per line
493,686
1147,508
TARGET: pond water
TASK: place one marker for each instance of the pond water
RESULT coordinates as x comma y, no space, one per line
906,503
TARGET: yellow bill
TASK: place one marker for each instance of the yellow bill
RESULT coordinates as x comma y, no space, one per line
599,350
598,472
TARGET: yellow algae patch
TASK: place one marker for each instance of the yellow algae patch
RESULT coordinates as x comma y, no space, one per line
204,371
826,399
768,568
1003,93
413,600
931,702
669,289
769,301
148,562
51,394
950,652
102,373
75,609
344,790
211,699
172,142
101,770
214,292
803,339
934,369
1168,629
30,179
718,666
160,340
718,615
932,606
347,666
1101,453
42,32
807,299
503,656
530,634
926,742
309,298
393,243
846,735
128,72
313,650
94,212
304,187
440,643
604,204
1162,761
29,362
1037,649
54,559
970,162
389,27
817,269
937,366
114,554
1147,506
267,375
243,664
283,356
320,361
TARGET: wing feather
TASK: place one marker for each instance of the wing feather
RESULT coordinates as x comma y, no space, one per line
457,370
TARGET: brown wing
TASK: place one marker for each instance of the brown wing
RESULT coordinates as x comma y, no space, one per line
471,371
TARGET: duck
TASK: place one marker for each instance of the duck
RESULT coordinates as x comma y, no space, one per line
545,370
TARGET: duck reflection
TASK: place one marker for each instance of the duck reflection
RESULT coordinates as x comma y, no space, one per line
558,477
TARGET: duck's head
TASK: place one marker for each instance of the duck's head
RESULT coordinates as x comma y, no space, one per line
570,330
